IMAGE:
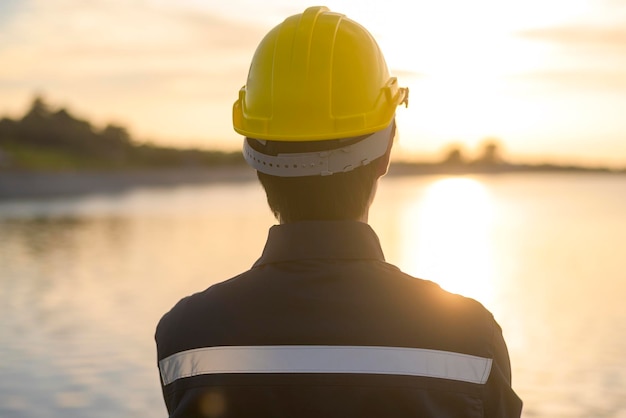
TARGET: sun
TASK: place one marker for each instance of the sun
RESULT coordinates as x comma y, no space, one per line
462,62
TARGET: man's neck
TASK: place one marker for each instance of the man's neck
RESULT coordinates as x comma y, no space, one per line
363,218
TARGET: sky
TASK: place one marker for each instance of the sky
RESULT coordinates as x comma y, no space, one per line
545,77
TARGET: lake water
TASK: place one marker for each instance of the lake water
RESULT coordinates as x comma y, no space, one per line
84,280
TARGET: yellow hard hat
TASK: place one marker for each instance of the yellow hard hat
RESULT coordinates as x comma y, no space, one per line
317,76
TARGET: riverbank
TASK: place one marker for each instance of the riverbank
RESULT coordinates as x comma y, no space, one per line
28,185
42,184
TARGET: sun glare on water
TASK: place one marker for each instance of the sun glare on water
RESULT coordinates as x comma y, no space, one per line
447,237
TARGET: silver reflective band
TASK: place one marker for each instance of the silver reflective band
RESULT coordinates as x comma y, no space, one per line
322,162
325,359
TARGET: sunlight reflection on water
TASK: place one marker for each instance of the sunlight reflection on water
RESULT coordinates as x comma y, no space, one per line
446,237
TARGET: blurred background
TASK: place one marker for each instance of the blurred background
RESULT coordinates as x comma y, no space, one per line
122,189
545,76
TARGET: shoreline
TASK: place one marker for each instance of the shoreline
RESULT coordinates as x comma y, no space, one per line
16,185
30,185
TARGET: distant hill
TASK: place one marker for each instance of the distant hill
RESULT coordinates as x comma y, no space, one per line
48,139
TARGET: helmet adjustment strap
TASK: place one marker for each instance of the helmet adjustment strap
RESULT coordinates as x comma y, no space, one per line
324,163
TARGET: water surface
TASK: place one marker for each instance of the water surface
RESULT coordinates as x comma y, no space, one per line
84,280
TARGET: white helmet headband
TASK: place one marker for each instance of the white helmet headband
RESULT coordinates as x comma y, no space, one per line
324,163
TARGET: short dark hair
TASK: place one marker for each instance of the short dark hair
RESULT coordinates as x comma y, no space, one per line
341,196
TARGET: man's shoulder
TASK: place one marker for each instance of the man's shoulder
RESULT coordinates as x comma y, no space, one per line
212,294
204,304
430,294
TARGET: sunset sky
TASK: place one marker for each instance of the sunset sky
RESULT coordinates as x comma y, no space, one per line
546,77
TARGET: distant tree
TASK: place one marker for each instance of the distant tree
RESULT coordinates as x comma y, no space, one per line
38,109
46,127
7,129
72,134
57,129
454,156
34,125
491,153
116,135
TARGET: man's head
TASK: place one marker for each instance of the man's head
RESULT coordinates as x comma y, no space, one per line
318,115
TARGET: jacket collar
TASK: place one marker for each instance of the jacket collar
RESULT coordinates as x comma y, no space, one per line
318,240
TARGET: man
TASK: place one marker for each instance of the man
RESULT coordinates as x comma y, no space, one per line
321,325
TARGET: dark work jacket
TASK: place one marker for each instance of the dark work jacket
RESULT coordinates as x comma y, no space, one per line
322,326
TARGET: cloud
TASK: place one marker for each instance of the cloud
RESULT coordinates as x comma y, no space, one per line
578,81
581,36
102,36
582,58
69,42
